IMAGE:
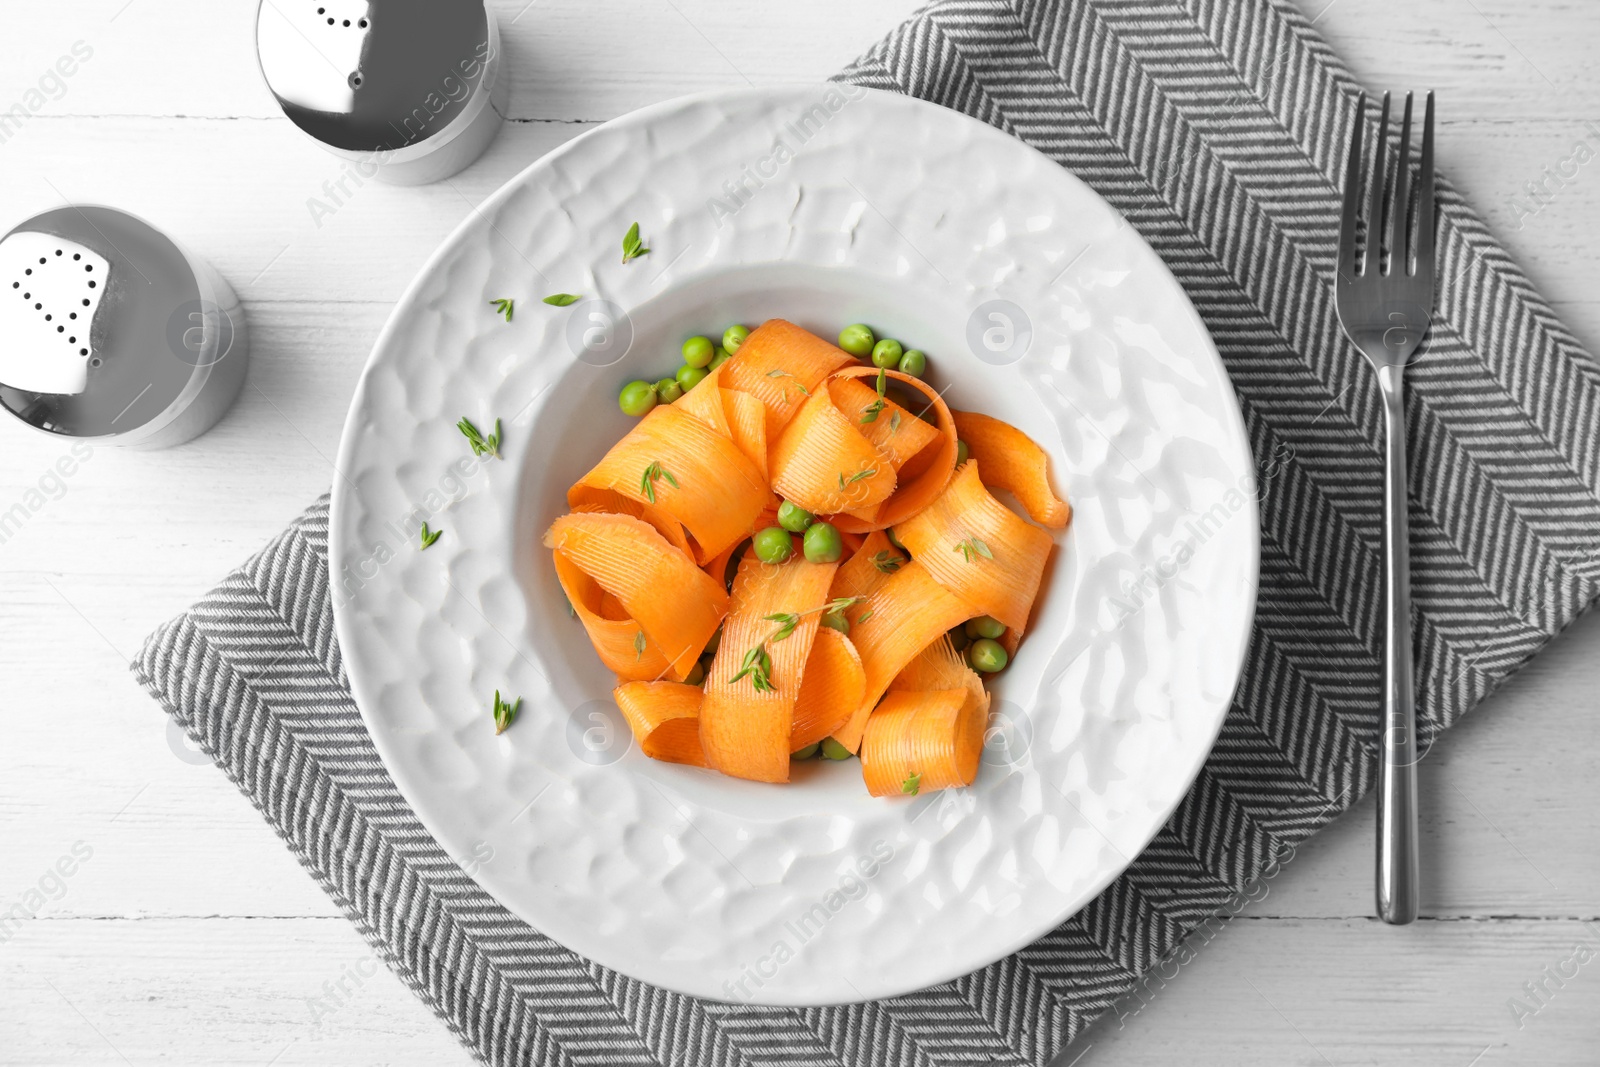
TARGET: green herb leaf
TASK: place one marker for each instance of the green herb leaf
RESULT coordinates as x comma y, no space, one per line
860,475
887,562
912,784
864,616
786,620
632,247
561,300
429,537
481,445
894,421
505,713
757,666
647,483
972,548
777,373
639,645
504,307
871,412
883,383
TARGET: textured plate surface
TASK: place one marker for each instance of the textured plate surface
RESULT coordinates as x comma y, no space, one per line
1035,302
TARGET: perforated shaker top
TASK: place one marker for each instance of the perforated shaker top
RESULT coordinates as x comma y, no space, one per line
373,75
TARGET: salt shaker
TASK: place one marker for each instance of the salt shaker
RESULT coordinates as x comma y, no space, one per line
406,91
112,333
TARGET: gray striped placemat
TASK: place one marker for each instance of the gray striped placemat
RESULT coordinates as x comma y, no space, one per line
1217,127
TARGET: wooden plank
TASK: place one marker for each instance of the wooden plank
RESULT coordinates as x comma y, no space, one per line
1354,991
284,992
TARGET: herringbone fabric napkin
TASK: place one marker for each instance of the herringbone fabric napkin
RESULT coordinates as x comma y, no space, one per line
1217,127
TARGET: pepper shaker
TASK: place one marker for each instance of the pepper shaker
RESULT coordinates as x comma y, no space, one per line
406,91
110,332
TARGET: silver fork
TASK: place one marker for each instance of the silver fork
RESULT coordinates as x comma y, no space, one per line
1384,304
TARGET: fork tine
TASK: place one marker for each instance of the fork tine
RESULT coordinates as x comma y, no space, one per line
1400,210
1372,254
1425,236
1352,193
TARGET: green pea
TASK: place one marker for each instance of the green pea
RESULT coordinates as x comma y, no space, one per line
857,340
696,676
719,359
794,518
832,749
958,638
985,626
807,752
962,452
823,543
733,337
637,398
886,354
697,351
914,362
689,377
774,545
987,655
835,620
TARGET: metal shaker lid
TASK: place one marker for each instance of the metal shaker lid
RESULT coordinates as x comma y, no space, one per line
373,75
120,330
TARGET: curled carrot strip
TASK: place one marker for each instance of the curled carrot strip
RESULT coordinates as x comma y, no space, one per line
745,724
909,612
664,718
677,605
868,568
1012,461
831,690
781,364
898,433
586,498
985,554
675,462
927,733
913,492
824,464
615,636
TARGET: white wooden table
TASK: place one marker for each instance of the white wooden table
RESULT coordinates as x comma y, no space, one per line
189,935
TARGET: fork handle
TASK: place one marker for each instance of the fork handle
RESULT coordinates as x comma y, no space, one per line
1397,876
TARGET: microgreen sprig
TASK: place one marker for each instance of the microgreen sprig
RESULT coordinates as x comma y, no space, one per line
913,783
647,483
481,445
788,620
639,646
871,412
561,300
854,478
504,306
632,246
505,713
758,666
429,537
972,548
887,562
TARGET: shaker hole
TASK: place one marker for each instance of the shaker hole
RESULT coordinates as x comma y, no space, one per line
95,362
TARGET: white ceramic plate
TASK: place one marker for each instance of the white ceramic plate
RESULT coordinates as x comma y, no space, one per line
1035,302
